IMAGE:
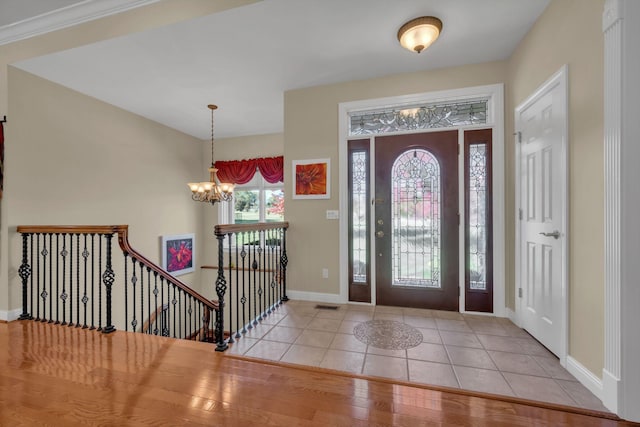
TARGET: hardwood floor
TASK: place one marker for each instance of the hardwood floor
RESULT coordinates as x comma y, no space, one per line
61,376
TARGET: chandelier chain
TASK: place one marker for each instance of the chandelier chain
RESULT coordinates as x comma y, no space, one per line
212,138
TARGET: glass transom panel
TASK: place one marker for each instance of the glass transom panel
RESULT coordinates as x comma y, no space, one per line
419,116
415,220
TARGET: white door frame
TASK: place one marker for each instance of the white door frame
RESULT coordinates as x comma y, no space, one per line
495,120
557,79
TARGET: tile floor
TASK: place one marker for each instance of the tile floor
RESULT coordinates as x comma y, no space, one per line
471,352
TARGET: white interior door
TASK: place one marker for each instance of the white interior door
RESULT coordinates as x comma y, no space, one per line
542,124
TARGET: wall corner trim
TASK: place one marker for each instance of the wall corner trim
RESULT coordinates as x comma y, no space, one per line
10,315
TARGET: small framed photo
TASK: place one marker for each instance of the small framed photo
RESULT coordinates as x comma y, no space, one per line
311,179
178,253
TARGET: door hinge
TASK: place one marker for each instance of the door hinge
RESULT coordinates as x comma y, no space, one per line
520,214
519,292
519,135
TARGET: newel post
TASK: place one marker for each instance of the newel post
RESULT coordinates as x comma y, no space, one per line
284,260
108,277
221,289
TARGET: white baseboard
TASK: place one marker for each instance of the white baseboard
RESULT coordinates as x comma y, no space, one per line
585,376
513,316
315,296
610,387
10,315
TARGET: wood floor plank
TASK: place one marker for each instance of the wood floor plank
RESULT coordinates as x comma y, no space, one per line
65,376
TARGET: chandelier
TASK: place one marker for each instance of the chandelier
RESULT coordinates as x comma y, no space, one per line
211,191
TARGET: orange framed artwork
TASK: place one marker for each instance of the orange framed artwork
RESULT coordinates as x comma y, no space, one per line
311,179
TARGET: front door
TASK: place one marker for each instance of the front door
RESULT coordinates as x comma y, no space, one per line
416,220
542,122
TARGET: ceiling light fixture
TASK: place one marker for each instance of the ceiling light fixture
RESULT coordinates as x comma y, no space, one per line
418,34
211,191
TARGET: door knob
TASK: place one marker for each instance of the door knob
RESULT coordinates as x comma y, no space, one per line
380,222
379,233
555,234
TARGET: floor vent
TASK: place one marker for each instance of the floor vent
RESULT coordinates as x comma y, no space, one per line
327,307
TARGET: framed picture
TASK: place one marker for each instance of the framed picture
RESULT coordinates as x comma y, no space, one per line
178,253
311,179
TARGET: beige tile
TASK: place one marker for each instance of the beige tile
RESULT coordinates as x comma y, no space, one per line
273,318
331,314
328,325
461,339
487,328
517,363
383,366
304,355
533,347
343,361
451,315
429,352
348,343
483,380
295,320
358,316
361,307
471,357
389,309
514,331
282,334
420,322
432,373
257,331
241,346
430,335
417,312
270,350
493,342
538,388
553,368
315,338
346,327
389,316
582,395
386,352
453,325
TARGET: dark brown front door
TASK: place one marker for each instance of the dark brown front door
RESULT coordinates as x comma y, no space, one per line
416,220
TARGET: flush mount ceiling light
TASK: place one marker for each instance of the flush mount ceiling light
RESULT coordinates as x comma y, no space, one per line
418,34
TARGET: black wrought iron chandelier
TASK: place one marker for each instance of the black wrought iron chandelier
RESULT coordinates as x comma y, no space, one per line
211,191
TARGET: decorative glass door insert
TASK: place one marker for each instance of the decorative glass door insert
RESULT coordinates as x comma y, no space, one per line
415,178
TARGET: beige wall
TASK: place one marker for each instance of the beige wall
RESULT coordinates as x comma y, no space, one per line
76,160
570,32
155,15
311,131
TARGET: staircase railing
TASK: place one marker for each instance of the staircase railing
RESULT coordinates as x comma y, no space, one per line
67,270
255,259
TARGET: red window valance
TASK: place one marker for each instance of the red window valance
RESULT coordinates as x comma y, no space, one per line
242,171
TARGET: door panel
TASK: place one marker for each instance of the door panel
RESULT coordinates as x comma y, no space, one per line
541,231
416,220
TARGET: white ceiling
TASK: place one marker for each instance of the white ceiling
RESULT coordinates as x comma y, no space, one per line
244,59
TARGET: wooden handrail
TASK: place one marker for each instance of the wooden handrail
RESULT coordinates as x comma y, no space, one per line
238,228
123,240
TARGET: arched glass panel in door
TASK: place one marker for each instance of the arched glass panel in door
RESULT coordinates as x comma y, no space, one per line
416,220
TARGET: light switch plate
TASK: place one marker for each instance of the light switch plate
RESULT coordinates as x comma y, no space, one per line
333,214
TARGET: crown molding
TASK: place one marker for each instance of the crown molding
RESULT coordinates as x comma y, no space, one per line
65,17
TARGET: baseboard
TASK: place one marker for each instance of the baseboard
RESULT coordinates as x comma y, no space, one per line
585,376
315,296
513,316
610,387
10,315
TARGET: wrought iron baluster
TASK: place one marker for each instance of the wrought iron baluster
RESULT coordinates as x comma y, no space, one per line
93,281
25,272
37,275
70,280
243,300
57,279
134,281
231,339
155,294
77,280
190,311
85,298
141,295
126,292
284,260
254,267
63,295
108,278
50,295
174,301
149,299
232,236
100,239
165,313
262,291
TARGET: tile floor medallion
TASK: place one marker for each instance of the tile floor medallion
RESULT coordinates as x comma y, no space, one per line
388,334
